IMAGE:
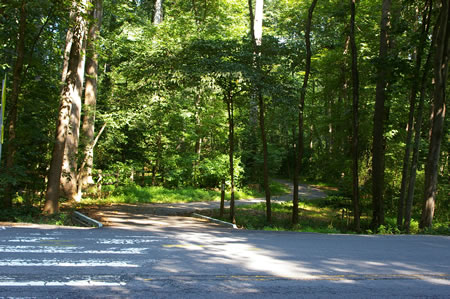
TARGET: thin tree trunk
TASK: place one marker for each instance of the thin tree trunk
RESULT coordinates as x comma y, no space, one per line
299,154
222,198
68,47
257,42
198,141
71,90
90,96
12,115
438,115
355,120
412,104
230,108
418,128
266,158
158,16
85,161
379,119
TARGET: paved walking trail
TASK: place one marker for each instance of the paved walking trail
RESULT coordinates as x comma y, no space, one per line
178,214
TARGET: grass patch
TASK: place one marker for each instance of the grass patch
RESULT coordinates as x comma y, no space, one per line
312,218
277,188
318,216
134,194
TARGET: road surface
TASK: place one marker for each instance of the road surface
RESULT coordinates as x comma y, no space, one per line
209,261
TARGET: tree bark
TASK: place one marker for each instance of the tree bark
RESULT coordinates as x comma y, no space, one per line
438,115
70,160
301,106
404,211
12,115
222,198
257,42
158,15
90,96
230,108
68,47
71,90
266,158
198,141
355,119
417,129
378,145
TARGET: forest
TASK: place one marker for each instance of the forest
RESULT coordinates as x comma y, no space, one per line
197,93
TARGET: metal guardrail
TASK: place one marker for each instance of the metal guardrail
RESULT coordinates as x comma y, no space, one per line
215,220
84,220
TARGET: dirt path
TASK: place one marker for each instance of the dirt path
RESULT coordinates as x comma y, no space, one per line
178,214
305,192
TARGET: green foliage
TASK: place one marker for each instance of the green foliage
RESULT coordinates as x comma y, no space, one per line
32,214
277,188
161,92
387,230
438,229
132,193
311,219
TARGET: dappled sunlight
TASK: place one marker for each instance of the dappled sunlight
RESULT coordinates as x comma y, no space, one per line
437,280
238,254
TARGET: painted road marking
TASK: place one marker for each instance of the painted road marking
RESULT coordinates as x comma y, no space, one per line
198,246
126,241
73,283
57,243
31,239
70,249
190,246
62,263
351,277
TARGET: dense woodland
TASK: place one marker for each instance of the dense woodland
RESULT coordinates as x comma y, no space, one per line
180,93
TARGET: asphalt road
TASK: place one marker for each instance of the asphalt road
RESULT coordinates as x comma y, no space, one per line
203,261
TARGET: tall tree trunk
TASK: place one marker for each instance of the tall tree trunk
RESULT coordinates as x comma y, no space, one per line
68,47
301,106
230,108
417,133
266,158
355,120
12,115
378,120
71,90
256,42
257,22
70,160
412,104
90,96
438,114
198,141
158,12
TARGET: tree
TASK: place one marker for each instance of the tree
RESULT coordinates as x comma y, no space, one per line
256,22
70,160
355,118
12,115
378,143
90,97
71,93
158,12
405,200
228,98
441,48
301,105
